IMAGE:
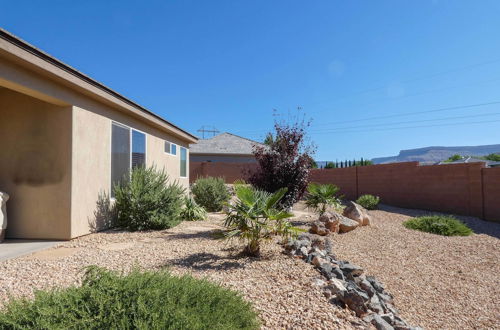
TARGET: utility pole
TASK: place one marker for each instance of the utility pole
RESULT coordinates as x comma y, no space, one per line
208,129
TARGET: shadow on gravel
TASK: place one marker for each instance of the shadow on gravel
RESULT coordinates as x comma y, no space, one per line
477,225
209,261
300,223
212,234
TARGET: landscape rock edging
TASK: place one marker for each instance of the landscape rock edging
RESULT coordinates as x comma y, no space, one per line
346,283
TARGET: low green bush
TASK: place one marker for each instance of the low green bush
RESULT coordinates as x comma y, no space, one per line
439,224
369,202
140,300
192,211
211,193
148,201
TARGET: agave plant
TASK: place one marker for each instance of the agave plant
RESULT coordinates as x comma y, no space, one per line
255,218
192,211
321,196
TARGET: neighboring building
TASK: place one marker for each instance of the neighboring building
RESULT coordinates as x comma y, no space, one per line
469,159
225,147
65,139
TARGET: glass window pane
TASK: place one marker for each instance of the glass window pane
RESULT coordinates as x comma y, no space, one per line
183,162
167,147
138,149
174,149
120,154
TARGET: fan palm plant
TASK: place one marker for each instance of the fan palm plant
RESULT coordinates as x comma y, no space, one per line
320,196
255,218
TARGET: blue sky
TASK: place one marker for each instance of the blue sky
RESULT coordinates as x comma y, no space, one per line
369,73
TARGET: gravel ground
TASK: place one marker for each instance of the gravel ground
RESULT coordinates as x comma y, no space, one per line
438,282
281,288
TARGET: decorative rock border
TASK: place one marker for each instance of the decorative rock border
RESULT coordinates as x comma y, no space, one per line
346,283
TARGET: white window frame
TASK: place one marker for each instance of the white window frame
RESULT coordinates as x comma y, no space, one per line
171,144
130,143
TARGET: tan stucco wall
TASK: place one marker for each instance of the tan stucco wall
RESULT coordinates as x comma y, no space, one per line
91,163
35,165
85,133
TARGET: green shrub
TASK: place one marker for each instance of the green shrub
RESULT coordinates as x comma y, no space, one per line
320,196
148,201
211,193
254,218
192,211
438,224
369,202
140,300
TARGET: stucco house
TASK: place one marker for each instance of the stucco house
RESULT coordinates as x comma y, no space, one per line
66,138
225,147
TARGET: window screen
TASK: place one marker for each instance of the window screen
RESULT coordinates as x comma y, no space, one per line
167,147
183,162
138,149
120,154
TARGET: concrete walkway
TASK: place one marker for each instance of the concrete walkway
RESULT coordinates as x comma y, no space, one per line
12,248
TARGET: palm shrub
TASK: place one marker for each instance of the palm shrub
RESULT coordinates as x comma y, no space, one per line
254,218
368,201
211,193
439,224
148,201
321,196
139,300
192,211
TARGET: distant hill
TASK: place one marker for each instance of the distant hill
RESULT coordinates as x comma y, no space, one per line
430,155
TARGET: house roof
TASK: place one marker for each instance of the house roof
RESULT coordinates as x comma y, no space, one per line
226,144
14,40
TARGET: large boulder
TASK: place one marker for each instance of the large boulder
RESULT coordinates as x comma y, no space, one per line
331,221
4,197
347,225
318,228
357,213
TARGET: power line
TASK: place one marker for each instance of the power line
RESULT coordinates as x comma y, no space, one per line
419,112
410,122
423,77
408,127
468,106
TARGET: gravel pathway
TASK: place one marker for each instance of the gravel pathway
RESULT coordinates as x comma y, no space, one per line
281,288
438,282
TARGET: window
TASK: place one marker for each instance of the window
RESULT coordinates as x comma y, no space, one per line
183,162
170,148
138,149
128,150
120,155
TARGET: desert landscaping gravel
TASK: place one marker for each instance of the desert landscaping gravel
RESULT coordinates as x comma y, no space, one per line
438,282
281,288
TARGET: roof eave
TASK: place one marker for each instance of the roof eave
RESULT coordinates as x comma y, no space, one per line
14,40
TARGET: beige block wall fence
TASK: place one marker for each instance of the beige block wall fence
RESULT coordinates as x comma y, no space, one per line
45,117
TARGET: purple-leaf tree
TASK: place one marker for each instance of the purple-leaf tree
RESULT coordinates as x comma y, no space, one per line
284,161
